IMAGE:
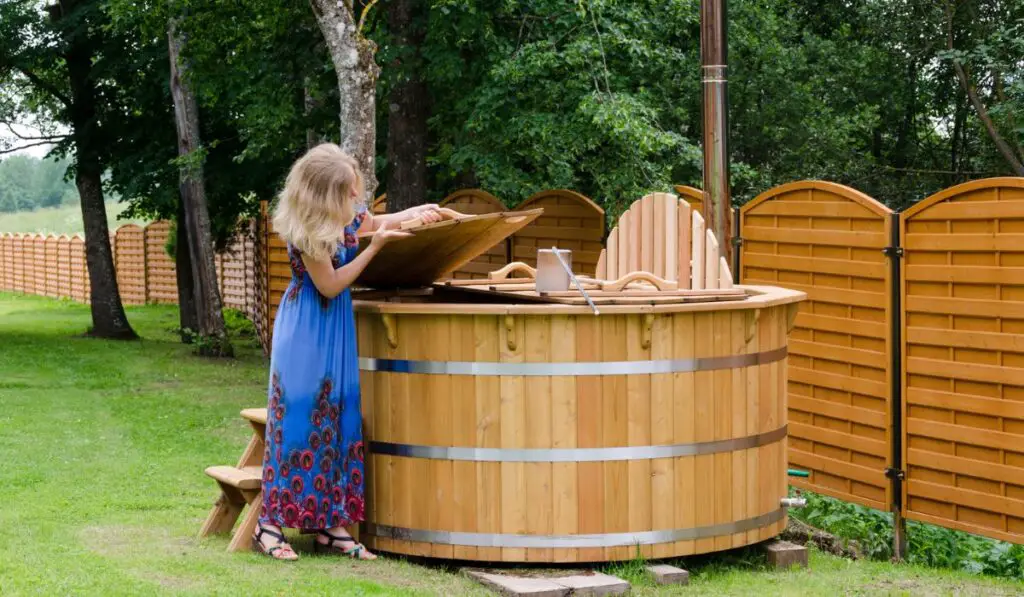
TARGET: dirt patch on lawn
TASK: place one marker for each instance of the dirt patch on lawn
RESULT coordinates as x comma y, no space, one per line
121,542
921,589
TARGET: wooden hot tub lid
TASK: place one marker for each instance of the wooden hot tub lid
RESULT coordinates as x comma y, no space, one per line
440,248
758,297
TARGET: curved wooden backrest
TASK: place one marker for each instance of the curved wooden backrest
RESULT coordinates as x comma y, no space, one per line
663,235
692,195
570,221
479,202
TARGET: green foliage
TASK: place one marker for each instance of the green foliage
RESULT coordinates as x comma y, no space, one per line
237,324
28,183
928,545
251,102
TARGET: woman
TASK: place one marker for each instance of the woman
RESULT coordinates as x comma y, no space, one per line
313,465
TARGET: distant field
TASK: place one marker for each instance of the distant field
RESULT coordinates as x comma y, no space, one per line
57,220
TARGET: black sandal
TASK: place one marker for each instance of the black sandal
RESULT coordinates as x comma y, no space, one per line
272,551
355,552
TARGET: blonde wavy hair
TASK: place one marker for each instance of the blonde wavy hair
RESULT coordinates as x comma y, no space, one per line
318,201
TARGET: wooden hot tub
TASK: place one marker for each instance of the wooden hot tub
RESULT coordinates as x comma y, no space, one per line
544,433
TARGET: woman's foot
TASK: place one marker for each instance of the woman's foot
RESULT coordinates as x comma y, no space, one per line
269,540
337,540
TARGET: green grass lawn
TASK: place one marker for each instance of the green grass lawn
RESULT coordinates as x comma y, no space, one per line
102,448
66,219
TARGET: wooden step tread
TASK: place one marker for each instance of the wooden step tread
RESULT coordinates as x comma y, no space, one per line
247,478
256,415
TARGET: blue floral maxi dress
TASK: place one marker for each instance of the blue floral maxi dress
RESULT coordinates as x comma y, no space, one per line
313,465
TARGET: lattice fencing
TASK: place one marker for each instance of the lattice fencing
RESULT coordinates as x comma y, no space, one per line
963,367
56,267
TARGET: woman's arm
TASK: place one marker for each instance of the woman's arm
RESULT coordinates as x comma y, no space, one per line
429,213
331,282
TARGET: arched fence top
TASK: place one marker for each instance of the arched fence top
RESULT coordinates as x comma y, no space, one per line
953,193
379,205
692,195
824,186
477,196
560,194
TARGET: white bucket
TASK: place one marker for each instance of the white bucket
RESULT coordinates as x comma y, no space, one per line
551,276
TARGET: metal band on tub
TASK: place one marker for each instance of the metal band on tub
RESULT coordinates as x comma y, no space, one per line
577,454
574,369
573,541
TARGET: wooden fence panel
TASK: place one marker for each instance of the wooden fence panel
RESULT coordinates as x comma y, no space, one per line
130,261
36,260
570,221
79,271
19,263
6,262
161,273
477,202
379,205
827,240
261,308
64,267
963,366
51,271
232,274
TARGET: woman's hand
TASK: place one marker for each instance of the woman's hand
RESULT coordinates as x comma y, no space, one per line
429,213
383,235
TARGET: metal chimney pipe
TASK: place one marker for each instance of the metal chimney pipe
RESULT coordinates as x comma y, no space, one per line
714,60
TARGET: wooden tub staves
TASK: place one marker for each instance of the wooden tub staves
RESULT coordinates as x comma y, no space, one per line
543,433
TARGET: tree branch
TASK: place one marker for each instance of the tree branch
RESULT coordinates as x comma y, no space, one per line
41,84
972,93
17,149
362,16
33,137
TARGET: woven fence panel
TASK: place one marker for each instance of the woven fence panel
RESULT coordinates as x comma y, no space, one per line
261,278
161,274
64,267
478,202
963,368
279,274
570,221
130,260
6,262
232,274
35,265
827,240
51,267
79,270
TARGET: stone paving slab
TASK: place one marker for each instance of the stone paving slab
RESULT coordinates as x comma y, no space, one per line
581,584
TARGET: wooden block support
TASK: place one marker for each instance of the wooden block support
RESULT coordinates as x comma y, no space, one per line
663,574
783,554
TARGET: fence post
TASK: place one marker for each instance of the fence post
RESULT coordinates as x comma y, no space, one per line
896,473
737,245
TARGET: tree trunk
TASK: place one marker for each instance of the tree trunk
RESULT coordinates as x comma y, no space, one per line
212,337
187,315
108,316
356,70
408,110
